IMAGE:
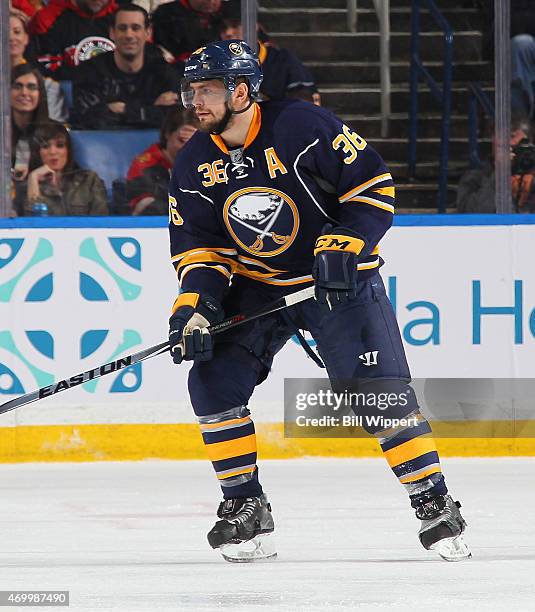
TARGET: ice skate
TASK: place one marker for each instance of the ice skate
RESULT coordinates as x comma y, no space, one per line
245,531
442,528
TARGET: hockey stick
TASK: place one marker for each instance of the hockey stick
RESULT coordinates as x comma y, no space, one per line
158,349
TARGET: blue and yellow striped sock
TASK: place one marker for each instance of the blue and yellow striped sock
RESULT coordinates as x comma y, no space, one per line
230,441
412,454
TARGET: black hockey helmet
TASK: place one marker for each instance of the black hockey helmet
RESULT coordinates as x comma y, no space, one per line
226,60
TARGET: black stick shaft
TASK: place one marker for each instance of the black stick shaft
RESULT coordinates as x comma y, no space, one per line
158,349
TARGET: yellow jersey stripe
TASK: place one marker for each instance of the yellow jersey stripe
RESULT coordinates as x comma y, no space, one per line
203,257
248,470
368,265
433,470
373,181
387,191
218,451
185,270
235,267
223,424
275,281
260,264
410,450
179,256
262,52
373,202
186,299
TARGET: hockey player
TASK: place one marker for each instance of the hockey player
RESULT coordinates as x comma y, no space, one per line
266,199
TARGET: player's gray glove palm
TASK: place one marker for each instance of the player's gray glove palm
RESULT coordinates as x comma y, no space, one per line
335,266
189,337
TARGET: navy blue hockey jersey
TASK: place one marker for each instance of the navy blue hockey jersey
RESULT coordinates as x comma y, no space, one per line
258,210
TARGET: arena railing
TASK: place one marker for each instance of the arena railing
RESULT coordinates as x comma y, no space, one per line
476,97
441,94
382,9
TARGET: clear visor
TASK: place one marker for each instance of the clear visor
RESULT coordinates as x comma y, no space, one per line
200,93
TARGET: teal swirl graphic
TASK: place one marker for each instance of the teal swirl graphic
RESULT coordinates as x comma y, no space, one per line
41,316
90,289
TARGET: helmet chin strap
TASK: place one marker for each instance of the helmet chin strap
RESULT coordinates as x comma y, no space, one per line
222,125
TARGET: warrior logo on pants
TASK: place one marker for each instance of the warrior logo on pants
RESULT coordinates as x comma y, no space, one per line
262,221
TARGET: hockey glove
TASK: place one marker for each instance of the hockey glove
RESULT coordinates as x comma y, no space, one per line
335,266
189,337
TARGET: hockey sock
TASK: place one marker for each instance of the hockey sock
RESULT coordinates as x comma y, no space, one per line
412,454
230,441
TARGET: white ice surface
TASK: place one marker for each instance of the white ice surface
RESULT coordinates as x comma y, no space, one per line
131,536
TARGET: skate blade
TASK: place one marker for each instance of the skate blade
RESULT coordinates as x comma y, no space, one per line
260,548
452,549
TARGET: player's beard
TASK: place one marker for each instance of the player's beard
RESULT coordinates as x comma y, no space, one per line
213,124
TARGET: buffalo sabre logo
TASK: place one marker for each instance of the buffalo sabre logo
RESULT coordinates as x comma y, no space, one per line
262,221
235,48
79,379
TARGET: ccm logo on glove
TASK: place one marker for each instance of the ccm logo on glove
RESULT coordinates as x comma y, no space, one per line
335,266
333,242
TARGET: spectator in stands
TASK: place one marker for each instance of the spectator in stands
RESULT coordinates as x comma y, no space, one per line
28,108
128,87
28,7
147,183
182,26
150,5
523,57
19,37
476,192
58,182
18,50
284,74
522,51
68,32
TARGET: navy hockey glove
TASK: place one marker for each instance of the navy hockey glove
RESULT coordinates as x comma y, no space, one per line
189,337
335,266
